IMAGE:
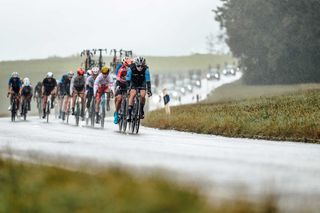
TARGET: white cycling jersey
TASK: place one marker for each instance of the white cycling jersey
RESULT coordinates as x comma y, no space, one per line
102,80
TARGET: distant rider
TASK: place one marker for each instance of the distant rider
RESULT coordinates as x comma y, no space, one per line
26,93
49,87
120,87
90,85
65,83
102,85
77,87
14,86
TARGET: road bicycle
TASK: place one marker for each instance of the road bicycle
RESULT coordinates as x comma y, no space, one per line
14,106
134,125
78,108
24,108
89,62
100,60
48,107
123,111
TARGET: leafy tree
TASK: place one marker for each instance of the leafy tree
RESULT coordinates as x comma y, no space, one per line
276,41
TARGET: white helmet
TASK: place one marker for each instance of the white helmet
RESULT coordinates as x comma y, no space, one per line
95,70
14,75
49,75
89,72
140,60
26,81
124,59
70,74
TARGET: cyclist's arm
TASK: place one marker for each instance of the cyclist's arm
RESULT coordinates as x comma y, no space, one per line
9,85
96,85
148,80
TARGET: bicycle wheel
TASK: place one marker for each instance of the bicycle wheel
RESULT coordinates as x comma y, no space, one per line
92,111
125,112
134,117
103,114
77,112
24,110
48,110
39,106
138,114
13,110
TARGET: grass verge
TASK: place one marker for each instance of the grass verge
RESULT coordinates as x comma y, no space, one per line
34,188
291,117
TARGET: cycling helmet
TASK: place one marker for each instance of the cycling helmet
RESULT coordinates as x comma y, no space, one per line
125,59
49,75
14,75
140,61
70,74
95,70
80,71
26,81
89,72
105,70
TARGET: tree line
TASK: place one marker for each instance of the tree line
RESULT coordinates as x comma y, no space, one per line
277,42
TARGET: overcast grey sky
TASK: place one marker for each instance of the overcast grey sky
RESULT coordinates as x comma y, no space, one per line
41,28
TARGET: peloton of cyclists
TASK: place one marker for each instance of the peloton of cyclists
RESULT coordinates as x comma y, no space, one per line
138,75
49,87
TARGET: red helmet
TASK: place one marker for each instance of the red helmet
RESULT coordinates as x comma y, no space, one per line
80,71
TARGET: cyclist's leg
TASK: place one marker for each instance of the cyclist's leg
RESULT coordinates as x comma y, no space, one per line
143,100
53,96
83,103
98,100
22,99
44,103
29,98
133,94
74,96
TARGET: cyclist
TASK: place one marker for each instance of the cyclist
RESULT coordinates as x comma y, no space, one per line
26,93
90,85
14,86
77,86
121,84
49,87
124,60
102,85
37,92
138,75
66,82
61,93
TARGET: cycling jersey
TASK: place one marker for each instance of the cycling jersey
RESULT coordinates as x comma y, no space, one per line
138,78
118,68
102,81
49,85
26,90
121,77
90,85
37,89
78,83
15,84
65,81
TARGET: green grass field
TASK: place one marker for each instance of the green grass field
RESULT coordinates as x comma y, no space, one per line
35,188
239,91
293,117
37,69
